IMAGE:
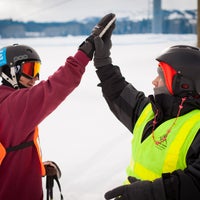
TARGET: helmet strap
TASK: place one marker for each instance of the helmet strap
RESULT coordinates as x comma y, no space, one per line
13,79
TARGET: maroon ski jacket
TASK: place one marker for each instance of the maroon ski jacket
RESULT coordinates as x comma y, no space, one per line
21,111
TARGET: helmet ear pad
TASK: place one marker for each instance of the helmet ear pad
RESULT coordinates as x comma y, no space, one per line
183,86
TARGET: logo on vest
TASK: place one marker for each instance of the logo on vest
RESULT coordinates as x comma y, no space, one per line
163,144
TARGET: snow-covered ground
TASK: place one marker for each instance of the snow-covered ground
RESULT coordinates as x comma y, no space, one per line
82,136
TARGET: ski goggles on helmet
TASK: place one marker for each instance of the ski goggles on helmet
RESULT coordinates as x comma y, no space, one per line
30,69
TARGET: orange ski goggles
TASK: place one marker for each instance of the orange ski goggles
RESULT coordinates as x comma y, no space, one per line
30,69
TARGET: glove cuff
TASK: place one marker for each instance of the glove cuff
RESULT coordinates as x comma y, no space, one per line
88,47
100,62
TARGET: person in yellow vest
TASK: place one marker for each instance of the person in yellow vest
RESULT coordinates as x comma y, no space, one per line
165,161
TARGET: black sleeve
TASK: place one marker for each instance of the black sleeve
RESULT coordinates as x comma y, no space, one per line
180,186
123,99
185,184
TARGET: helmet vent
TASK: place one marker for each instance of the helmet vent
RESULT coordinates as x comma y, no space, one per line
29,50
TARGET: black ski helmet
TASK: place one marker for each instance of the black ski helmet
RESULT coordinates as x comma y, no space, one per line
11,57
182,69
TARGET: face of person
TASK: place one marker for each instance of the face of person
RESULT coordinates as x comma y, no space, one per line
27,82
158,82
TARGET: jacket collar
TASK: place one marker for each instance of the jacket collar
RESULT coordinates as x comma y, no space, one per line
168,105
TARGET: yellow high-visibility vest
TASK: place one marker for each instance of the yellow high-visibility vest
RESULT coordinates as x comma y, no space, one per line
148,160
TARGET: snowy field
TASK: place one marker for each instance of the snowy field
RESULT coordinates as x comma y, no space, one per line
82,136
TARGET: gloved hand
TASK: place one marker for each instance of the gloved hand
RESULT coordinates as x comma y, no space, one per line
138,190
52,169
88,45
102,48
52,173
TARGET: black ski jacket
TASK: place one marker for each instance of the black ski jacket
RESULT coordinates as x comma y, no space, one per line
127,103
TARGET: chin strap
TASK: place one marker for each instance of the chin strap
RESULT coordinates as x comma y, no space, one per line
13,79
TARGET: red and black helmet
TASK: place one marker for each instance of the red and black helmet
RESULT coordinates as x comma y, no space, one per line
181,68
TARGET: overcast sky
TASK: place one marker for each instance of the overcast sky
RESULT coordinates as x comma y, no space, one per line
63,10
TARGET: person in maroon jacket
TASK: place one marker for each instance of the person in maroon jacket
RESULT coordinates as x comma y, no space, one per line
24,105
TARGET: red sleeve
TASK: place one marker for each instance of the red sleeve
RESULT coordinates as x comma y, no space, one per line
24,109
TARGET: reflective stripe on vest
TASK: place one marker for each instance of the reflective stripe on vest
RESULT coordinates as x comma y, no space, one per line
149,160
4,151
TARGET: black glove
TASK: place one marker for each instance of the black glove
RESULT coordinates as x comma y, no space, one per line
138,190
88,45
102,48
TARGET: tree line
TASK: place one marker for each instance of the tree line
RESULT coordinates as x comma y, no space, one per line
180,25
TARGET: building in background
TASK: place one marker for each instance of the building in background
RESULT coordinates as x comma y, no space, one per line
157,17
